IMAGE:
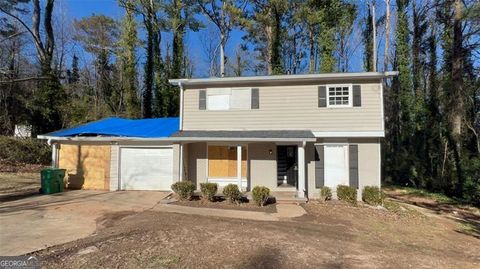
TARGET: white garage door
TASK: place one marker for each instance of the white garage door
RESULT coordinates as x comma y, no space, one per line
146,168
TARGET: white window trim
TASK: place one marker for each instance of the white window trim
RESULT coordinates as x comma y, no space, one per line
350,95
229,109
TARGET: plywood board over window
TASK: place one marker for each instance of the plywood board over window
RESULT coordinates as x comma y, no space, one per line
222,161
88,166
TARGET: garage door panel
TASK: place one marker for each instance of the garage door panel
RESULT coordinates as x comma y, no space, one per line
146,168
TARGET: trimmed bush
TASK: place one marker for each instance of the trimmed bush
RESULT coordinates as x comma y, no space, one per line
260,195
208,190
184,189
373,195
347,194
325,193
232,193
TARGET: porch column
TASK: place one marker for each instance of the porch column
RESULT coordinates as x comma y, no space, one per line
239,167
301,170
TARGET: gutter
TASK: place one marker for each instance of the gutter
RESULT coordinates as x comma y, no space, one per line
284,78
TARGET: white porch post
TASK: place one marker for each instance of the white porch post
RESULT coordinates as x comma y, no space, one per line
180,169
301,170
239,167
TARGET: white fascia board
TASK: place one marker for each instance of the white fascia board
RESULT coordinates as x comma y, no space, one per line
241,139
350,134
283,78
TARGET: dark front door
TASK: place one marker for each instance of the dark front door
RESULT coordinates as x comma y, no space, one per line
287,166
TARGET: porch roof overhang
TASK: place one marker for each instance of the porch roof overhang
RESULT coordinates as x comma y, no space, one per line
246,136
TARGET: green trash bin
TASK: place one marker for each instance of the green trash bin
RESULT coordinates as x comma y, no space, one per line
52,180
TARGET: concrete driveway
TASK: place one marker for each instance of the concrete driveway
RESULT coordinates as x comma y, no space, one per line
42,221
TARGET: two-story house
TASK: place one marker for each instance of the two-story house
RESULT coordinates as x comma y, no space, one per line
287,132
290,133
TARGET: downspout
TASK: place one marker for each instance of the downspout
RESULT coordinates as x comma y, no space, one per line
54,152
180,128
181,106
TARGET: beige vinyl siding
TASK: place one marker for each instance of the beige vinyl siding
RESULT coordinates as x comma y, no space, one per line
197,163
263,165
288,107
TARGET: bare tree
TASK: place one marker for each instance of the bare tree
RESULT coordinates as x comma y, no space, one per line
211,44
225,15
44,46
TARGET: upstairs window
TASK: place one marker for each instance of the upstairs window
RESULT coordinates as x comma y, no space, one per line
339,95
229,99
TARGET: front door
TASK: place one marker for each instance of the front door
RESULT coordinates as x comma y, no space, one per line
287,168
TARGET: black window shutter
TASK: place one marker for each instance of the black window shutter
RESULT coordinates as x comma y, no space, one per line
322,96
319,167
353,164
255,99
202,100
357,95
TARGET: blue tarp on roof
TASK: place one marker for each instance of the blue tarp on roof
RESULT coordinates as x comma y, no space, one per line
144,128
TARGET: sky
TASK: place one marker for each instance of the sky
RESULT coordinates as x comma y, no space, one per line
77,9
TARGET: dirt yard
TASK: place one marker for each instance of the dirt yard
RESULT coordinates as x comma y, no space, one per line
330,236
413,234
14,186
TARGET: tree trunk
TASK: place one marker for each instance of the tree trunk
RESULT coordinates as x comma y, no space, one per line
387,35
311,42
457,103
374,36
222,55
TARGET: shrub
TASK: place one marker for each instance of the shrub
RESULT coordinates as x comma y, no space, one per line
347,194
325,193
260,195
208,190
232,193
373,195
184,189
25,150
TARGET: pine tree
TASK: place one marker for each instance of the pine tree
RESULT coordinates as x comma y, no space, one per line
127,53
368,42
75,72
330,11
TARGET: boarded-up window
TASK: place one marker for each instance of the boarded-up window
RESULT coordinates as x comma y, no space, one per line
229,99
222,162
240,99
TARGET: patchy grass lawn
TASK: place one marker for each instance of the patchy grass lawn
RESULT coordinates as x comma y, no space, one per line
331,235
467,216
422,193
15,186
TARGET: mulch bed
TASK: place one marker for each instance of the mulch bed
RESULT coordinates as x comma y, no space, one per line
221,203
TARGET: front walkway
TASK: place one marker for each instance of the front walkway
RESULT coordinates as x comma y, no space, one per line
284,211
